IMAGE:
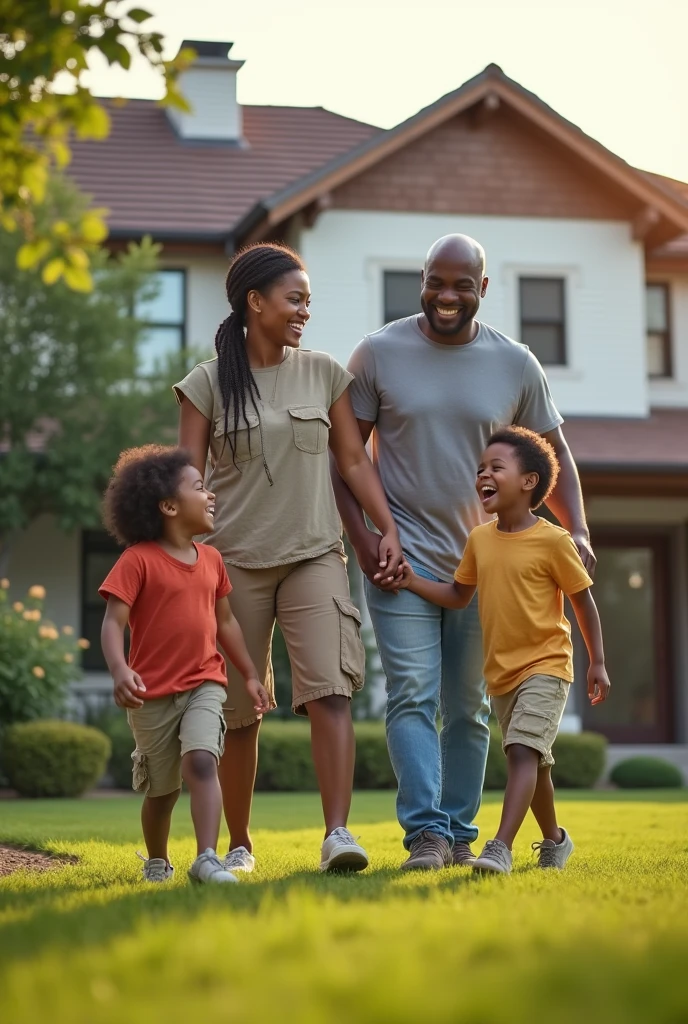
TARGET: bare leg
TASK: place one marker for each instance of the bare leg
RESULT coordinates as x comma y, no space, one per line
334,751
156,816
199,771
237,772
542,806
522,766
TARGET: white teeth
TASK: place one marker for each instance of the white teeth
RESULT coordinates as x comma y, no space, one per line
487,490
447,312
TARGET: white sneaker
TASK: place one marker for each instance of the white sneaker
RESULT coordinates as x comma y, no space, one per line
156,869
496,857
554,855
341,852
209,868
239,860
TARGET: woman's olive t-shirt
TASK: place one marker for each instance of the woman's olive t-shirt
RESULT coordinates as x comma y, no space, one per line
276,505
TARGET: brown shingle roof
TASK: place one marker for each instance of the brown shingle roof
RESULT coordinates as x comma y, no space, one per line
152,181
656,443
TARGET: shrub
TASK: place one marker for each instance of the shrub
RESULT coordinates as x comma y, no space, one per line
373,767
53,758
495,771
646,773
580,759
113,722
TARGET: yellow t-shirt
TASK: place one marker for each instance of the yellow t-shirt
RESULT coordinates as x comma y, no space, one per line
521,579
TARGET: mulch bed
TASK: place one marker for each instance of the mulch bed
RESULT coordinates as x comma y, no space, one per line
16,858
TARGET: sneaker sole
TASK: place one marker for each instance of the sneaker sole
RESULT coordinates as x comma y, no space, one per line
490,869
346,861
209,881
422,867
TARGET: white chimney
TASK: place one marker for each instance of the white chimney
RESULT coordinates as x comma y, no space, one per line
209,86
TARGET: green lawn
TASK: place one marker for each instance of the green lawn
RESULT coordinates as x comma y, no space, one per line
606,940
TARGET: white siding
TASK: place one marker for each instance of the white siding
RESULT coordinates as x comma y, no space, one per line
347,252
46,555
215,113
674,393
206,301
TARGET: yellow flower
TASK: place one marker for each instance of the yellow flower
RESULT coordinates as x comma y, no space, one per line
83,644
69,658
34,616
48,633
38,672
38,592
4,584
68,631
18,606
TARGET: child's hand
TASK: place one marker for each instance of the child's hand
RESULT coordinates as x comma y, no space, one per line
407,575
598,683
127,686
259,695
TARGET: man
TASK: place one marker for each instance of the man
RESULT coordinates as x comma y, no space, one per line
435,386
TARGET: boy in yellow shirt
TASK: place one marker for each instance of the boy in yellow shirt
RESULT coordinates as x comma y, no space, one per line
522,566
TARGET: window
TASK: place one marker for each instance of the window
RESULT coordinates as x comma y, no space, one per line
657,330
402,294
543,325
165,315
99,552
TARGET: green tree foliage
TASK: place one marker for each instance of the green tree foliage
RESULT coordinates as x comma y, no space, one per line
41,42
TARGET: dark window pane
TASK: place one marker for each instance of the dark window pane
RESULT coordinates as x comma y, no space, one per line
402,294
157,345
657,362
657,330
545,341
168,305
542,299
97,565
656,307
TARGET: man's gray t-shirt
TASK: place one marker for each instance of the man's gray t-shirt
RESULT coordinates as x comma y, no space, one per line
434,408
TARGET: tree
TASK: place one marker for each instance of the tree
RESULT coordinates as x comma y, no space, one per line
70,396
41,41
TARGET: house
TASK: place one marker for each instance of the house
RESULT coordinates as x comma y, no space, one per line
588,265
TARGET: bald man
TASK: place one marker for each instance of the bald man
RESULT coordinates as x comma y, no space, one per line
435,386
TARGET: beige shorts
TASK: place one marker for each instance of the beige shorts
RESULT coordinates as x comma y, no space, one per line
166,728
531,714
321,626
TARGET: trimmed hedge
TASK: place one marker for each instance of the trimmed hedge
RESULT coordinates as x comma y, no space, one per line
646,773
53,758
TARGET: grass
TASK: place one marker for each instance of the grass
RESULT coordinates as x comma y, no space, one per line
605,940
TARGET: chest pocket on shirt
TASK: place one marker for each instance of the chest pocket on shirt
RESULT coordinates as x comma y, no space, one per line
249,443
311,426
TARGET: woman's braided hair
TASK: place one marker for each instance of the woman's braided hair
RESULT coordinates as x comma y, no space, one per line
254,268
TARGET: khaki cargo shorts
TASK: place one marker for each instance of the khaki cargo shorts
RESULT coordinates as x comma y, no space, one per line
166,728
321,626
531,714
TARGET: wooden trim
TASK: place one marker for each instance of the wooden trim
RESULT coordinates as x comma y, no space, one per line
626,483
667,265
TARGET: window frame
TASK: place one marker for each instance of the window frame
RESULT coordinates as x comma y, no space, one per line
409,271
668,341
93,542
562,280
182,324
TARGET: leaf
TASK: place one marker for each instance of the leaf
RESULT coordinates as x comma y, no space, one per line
53,271
77,257
94,123
31,253
61,152
61,229
78,280
138,15
93,228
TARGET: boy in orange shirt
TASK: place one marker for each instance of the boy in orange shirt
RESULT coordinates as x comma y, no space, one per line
522,566
172,593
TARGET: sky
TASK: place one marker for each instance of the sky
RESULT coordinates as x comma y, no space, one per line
616,68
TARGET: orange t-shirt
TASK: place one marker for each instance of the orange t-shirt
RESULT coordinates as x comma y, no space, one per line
172,618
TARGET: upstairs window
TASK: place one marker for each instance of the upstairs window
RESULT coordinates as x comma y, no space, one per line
543,321
402,294
165,317
657,330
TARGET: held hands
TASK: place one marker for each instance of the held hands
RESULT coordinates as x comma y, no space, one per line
128,685
390,558
598,683
258,694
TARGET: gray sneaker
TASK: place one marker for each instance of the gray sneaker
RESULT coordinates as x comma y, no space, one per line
341,852
554,855
155,869
239,860
496,857
462,855
429,852
209,868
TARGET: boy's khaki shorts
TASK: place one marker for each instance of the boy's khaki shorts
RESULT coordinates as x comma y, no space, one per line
320,624
531,714
166,728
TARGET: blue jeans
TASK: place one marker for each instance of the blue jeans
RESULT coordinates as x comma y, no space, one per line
432,658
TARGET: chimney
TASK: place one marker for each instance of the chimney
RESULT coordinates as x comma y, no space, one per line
209,86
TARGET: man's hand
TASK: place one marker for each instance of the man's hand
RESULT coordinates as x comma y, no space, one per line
582,542
367,550
259,695
391,557
127,685
598,683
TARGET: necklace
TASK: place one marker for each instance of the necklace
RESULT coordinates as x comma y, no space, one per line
274,387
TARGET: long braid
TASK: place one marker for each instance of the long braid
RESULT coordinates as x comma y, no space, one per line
254,268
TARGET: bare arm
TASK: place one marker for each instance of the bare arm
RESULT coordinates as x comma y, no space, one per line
359,485
127,684
446,595
566,501
231,640
194,433
588,619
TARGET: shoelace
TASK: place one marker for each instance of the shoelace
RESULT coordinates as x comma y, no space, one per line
235,857
547,854
156,872
212,858
431,841
345,836
496,849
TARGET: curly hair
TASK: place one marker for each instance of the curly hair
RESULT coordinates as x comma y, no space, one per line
142,478
535,455
255,268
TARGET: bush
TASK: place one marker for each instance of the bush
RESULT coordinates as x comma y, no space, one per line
373,767
495,771
646,773
285,762
580,759
54,758
113,722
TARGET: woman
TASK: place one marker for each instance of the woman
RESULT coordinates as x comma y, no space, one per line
266,412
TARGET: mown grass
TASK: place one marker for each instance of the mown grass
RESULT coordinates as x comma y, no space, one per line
606,940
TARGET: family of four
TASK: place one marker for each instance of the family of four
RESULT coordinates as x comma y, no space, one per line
466,442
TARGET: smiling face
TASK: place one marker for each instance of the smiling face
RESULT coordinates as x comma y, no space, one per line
281,313
193,506
453,284
501,483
